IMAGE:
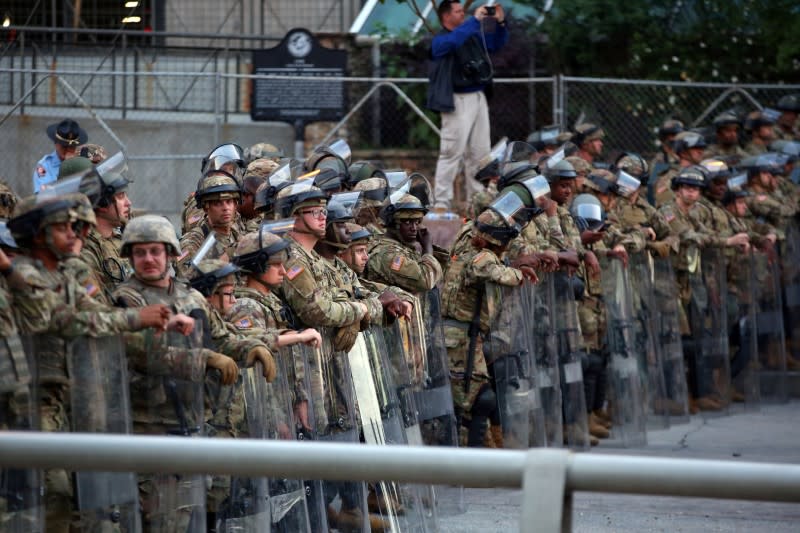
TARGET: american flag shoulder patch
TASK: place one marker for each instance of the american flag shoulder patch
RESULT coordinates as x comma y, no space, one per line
194,218
294,272
91,289
244,323
183,256
397,262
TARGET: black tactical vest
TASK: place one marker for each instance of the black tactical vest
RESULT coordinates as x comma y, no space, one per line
471,66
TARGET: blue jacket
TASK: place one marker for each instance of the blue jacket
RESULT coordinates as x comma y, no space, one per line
440,87
51,165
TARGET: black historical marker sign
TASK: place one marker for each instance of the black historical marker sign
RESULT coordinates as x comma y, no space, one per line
298,54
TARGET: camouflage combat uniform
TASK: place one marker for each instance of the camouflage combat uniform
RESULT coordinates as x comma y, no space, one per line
102,256
465,278
55,307
394,263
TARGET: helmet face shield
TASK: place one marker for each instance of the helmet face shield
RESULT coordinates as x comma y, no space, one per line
116,164
507,205
738,182
627,184
537,186
341,149
395,178
343,206
592,214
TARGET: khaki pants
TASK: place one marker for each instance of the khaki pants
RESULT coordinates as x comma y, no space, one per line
464,137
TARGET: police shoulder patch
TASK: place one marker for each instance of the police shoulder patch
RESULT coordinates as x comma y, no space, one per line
398,262
294,272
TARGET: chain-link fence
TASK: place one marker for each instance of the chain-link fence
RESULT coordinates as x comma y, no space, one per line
631,111
167,120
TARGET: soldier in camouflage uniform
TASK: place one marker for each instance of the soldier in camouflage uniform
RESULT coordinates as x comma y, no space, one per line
689,146
666,157
393,257
582,171
727,147
254,177
684,215
51,304
374,192
218,194
463,290
635,214
228,157
149,241
786,128
112,209
589,140
16,404
761,128
225,417
314,298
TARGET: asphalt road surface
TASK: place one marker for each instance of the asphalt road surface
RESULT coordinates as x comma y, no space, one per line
770,435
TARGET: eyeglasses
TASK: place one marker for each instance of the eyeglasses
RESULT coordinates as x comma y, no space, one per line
229,295
319,212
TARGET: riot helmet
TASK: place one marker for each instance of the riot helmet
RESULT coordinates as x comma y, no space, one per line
217,185
150,228
694,175
228,157
298,195
588,212
210,274
494,228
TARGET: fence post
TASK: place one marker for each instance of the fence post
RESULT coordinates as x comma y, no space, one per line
546,504
217,80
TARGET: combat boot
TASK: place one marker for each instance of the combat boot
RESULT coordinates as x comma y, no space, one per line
375,503
350,520
707,403
497,436
602,417
596,428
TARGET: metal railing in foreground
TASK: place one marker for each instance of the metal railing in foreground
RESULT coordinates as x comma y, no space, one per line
548,477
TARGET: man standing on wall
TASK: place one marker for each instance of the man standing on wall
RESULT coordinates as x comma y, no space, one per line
461,71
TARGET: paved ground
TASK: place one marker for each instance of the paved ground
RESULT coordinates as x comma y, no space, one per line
771,435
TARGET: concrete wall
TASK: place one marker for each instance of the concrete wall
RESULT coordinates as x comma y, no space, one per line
159,186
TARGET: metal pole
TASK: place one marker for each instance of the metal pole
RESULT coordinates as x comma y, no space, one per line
250,457
217,80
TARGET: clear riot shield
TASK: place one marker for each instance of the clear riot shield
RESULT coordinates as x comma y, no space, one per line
627,395
743,336
261,504
716,354
434,398
646,320
167,397
538,303
790,281
297,360
508,350
668,330
381,419
568,346
770,329
21,500
331,417
406,356
100,403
